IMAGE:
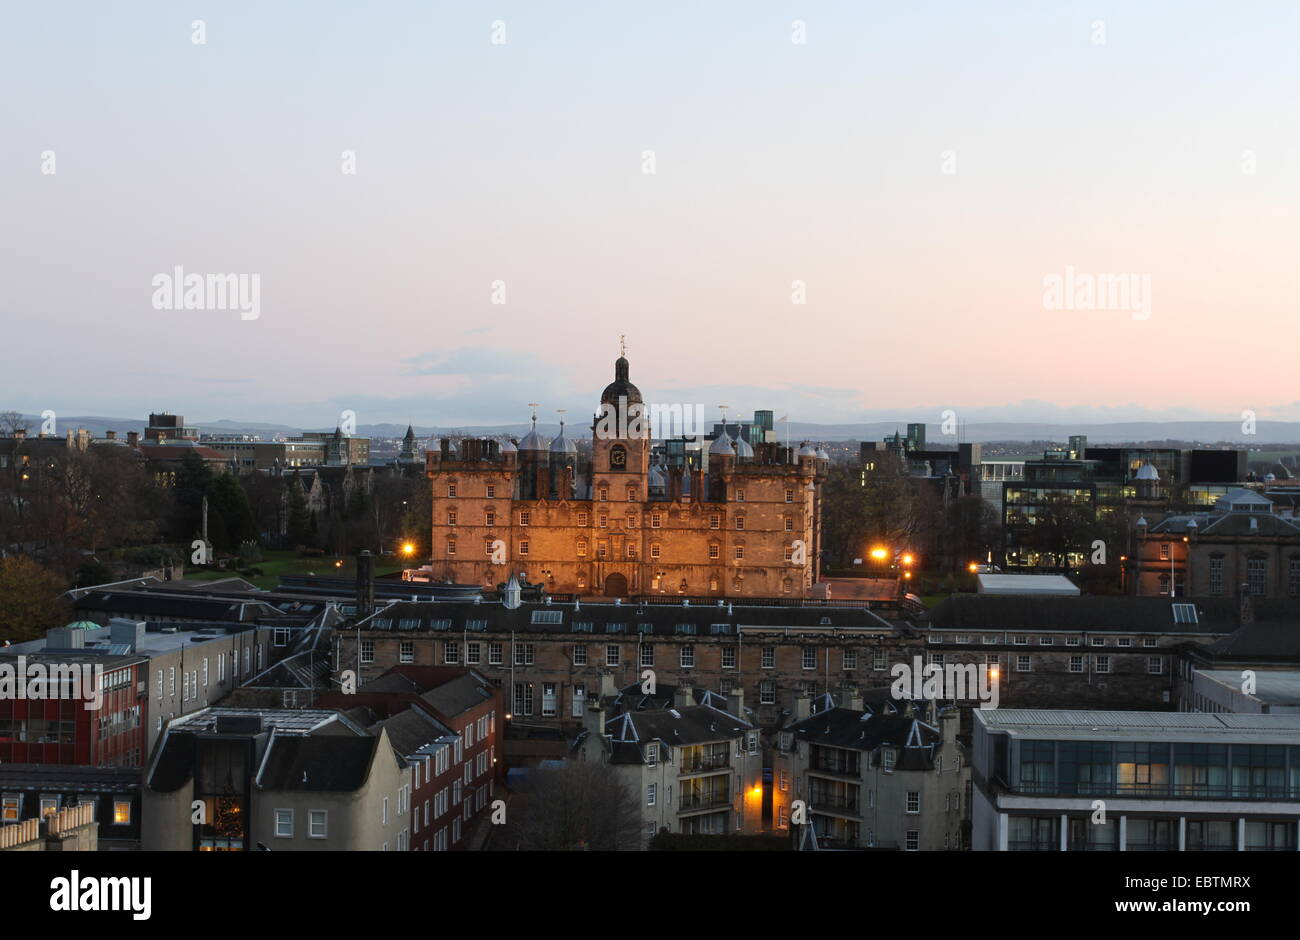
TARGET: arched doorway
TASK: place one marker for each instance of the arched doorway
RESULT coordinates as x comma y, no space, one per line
616,585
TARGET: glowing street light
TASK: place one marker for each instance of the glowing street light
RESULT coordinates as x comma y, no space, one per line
907,558
973,567
408,549
879,553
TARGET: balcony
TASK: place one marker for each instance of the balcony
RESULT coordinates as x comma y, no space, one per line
843,804
835,768
705,763
695,802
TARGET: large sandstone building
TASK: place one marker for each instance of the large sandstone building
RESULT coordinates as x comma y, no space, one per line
741,520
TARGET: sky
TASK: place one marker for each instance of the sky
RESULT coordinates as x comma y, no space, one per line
856,209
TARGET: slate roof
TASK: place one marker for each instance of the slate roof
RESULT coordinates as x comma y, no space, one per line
703,622
674,727
318,762
410,730
297,749
984,612
69,777
859,731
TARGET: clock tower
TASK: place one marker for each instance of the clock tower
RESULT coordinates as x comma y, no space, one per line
620,446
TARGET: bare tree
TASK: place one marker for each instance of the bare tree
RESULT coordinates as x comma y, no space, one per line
577,806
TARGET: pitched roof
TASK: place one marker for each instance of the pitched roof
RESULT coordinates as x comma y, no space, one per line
1214,615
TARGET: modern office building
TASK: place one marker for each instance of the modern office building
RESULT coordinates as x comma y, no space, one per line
1053,781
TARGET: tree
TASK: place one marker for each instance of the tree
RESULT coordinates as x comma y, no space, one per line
299,518
578,806
30,600
230,521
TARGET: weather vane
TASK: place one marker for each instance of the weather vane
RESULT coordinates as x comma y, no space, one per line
622,344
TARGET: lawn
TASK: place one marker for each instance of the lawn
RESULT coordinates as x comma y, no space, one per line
274,564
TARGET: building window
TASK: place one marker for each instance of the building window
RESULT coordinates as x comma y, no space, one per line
1216,575
491,491
406,653
451,546
473,654
451,653
809,657
740,496
647,654
451,490
850,659
121,812
317,823
451,517
524,698
548,700
651,794
1293,577
654,549
580,655
1076,664
913,840
611,654
740,523
740,552
523,547
767,692
1257,576
728,657
768,657
284,824
1023,663
1102,664
913,801
602,520
654,520
525,516
878,661
582,548
789,496
582,518
603,494
523,654
367,651
715,521
1155,665
494,654
1164,551
687,656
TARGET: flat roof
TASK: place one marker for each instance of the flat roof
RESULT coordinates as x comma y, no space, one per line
1281,687
1077,724
1027,584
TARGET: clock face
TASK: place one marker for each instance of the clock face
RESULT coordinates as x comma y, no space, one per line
618,458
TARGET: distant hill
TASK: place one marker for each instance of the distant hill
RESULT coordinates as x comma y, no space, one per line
1189,432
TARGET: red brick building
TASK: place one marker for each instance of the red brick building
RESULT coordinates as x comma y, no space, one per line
447,724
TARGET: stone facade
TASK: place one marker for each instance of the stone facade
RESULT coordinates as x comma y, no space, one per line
746,524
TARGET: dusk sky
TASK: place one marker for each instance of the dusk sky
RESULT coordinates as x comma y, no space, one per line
1170,151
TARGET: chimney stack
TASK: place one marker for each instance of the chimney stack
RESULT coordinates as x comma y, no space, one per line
110,435
365,585
736,702
685,695
133,438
